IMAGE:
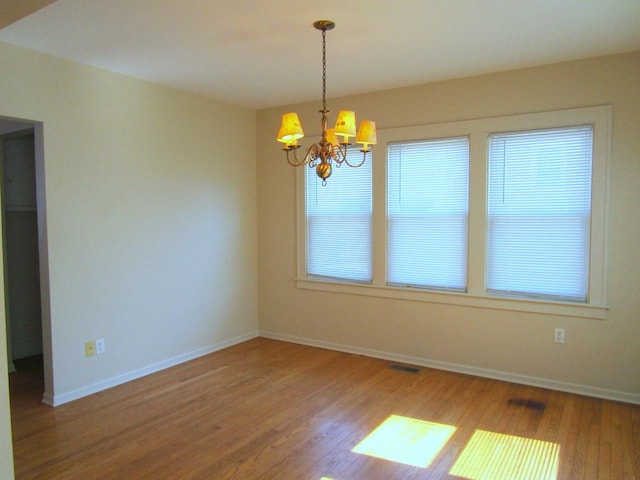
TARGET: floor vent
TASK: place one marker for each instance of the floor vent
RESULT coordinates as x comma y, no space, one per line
527,403
403,368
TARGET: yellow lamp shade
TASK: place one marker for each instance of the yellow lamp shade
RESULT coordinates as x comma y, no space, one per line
290,130
346,125
367,134
331,136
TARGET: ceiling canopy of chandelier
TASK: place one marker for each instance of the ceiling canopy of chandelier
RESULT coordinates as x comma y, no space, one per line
330,149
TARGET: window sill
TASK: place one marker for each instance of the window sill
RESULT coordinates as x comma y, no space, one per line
579,310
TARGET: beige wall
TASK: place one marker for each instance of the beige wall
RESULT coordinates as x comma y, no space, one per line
601,357
151,212
151,219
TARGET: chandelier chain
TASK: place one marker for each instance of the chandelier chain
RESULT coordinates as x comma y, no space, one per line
324,69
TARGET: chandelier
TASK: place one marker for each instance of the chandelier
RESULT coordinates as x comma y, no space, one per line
329,150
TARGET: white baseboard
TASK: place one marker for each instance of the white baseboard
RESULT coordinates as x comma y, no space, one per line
59,399
627,397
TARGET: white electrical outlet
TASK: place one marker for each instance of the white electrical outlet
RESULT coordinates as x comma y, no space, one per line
558,335
100,346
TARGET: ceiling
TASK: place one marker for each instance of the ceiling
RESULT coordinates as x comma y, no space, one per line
265,53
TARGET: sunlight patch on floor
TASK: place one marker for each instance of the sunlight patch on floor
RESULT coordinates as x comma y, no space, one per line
406,440
496,456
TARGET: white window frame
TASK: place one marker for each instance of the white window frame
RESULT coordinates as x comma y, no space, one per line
476,295
402,199
331,250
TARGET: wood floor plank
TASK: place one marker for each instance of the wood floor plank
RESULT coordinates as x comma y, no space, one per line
266,409
604,450
635,434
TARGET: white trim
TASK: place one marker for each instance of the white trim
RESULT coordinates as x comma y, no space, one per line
616,395
478,130
546,307
66,397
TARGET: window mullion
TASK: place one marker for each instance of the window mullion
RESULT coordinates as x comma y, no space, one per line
379,228
477,240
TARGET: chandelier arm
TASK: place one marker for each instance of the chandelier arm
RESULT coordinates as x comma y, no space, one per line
338,154
364,157
308,157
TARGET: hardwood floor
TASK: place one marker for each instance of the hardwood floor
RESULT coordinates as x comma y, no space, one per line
274,410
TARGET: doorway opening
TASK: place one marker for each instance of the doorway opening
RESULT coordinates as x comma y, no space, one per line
25,259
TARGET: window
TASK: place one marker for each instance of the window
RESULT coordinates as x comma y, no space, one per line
539,213
503,213
427,206
338,218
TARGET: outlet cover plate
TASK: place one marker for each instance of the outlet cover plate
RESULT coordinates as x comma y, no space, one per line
89,349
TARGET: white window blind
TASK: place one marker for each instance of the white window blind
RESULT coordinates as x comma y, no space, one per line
339,222
539,213
427,212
